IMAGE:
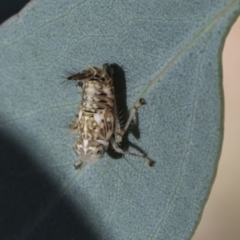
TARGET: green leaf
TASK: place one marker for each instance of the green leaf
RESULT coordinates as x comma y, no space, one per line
171,51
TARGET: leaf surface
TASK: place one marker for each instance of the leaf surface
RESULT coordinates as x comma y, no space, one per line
171,52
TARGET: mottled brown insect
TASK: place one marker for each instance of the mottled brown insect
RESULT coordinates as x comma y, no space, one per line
97,123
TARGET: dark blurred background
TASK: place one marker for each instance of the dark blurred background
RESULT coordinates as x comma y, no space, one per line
10,7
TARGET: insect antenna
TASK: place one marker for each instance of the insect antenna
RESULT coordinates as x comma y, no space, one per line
66,75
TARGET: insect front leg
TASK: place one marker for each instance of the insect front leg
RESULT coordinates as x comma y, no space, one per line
80,86
78,164
74,126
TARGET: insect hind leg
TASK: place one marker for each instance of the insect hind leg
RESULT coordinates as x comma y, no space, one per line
132,112
119,132
149,161
115,141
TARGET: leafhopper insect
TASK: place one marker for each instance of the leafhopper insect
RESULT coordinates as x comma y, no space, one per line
97,123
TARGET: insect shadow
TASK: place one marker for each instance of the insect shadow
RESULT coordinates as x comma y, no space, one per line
119,82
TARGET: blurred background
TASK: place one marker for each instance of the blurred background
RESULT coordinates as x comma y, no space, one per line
221,216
